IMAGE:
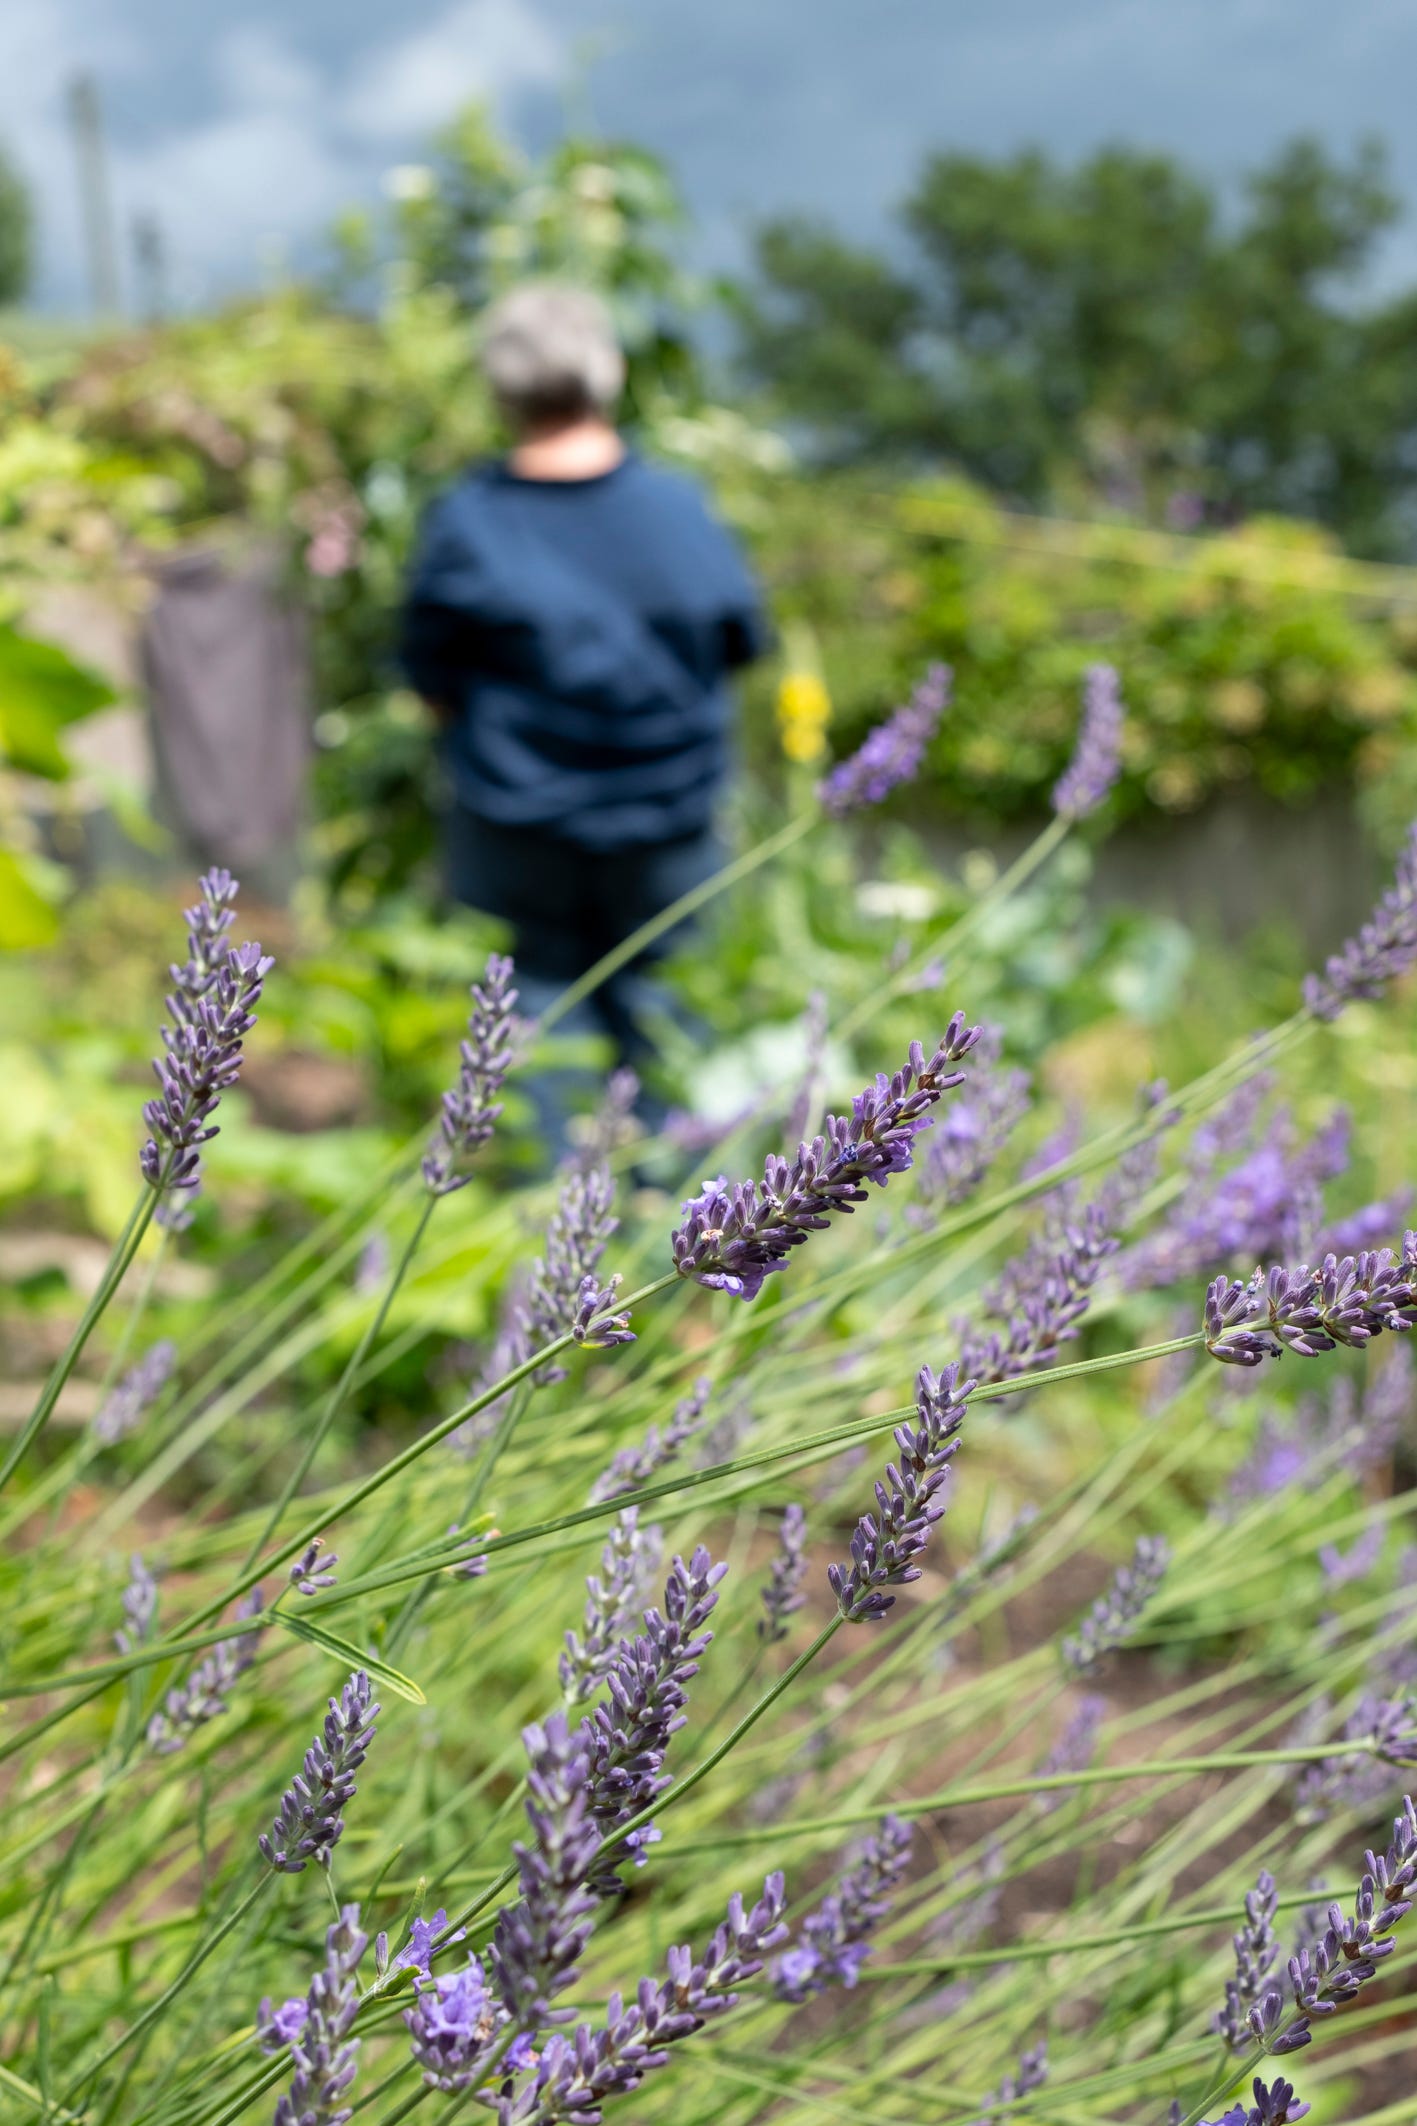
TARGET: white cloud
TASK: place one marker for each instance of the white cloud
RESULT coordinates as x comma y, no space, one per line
476,48
285,147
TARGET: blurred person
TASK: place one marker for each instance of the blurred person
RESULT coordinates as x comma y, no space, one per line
573,617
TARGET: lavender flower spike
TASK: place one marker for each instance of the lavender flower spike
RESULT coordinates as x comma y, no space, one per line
783,1596
1032,2073
451,2025
471,1108
886,1544
139,1609
626,1738
1347,1300
203,1696
891,753
211,1008
731,1240
1326,1975
1384,948
537,1944
1109,1621
309,1824
630,1557
578,2071
833,1942
1097,758
634,1466
138,1390
1275,2105
1256,1947
323,2055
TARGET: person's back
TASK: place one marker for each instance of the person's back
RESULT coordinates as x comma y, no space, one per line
574,615
579,633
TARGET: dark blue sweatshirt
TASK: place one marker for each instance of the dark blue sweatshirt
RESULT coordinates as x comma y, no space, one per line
581,632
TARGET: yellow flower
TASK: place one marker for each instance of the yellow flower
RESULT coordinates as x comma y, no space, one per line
803,713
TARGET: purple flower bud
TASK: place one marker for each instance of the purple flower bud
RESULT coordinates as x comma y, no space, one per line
974,1129
278,2027
1097,760
417,1952
783,1596
1109,1621
451,2025
1256,1947
138,1390
309,1825
731,1240
323,2055
628,1561
1384,948
310,1572
139,1609
1275,2105
892,753
634,1466
833,1942
211,1008
886,1544
471,1108
537,1944
204,1695
1347,1300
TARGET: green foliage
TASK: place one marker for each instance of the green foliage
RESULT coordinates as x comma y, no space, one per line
16,233
1106,329
1257,658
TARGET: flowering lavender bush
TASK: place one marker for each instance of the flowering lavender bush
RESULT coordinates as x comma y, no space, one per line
693,1842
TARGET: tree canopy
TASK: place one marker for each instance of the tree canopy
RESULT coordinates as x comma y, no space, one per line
1110,327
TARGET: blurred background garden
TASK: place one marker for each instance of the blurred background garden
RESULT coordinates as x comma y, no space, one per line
1067,399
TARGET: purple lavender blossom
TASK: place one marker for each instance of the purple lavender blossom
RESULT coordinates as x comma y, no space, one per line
1345,1301
211,1008
1386,1725
309,1825
451,2024
323,2055
1324,1977
1365,1228
1275,2105
204,1695
470,1109
138,1390
417,1952
627,1736
1341,1568
783,1596
538,1943
311,1572
633,1467
1040,1297
372,1269
1384,948
1109,1622
1271,1203
276,2028
975,1128
886,1544
833,1942
1256,1947
628,1561
892,753
1031,2073
1073,1751
577,2072
1097,757
731,1240
139,1608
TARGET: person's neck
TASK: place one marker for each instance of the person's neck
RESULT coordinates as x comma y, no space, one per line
575,450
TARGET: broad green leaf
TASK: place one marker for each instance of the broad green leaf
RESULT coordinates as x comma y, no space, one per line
27,919
41,690
353,1656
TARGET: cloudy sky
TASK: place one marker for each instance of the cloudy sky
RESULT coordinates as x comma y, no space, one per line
246,127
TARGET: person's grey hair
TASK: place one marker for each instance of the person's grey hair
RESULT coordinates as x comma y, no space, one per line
549,352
